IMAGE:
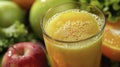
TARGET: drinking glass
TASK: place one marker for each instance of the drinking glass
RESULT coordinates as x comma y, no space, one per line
70,51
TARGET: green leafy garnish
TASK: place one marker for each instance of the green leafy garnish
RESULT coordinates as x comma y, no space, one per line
111,8
14,34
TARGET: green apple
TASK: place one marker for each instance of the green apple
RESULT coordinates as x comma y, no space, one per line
9,13
38,10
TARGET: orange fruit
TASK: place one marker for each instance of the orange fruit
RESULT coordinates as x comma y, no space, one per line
111,41
25,4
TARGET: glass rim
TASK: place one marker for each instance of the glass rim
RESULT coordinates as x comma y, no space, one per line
63,41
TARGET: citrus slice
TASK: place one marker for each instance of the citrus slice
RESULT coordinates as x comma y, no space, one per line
111,41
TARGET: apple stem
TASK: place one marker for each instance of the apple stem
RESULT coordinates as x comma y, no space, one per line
19,52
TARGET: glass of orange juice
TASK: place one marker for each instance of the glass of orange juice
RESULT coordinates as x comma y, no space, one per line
72,33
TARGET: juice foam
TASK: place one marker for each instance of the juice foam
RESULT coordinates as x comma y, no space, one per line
72,25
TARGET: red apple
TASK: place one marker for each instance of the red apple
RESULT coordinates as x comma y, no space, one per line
25,54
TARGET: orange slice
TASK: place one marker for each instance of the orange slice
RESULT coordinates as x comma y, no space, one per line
111,41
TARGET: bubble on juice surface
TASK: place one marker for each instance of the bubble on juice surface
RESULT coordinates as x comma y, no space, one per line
72,25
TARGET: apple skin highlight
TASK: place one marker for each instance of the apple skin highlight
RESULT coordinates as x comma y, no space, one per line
25,54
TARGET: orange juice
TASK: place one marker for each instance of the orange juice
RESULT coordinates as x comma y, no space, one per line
75,45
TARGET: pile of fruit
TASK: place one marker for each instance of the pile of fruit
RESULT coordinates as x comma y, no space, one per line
21,40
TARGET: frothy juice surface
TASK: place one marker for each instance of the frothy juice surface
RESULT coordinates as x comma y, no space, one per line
73,25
